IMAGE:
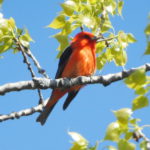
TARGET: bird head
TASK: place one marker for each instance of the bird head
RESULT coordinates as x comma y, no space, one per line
84,38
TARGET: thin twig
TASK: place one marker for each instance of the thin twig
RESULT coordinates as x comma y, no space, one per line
107,39
23,49
36,63
25,112
146,139
41,99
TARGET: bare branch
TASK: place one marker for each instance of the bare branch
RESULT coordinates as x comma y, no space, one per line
44,83
36,63
25,112
107,39
24,51
26,61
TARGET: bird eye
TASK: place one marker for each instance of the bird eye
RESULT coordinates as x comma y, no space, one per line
86,36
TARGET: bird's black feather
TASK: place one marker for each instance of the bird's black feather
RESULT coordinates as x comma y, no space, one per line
69,98
63,61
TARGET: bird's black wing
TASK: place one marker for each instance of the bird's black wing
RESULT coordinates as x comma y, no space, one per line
69,98
63,61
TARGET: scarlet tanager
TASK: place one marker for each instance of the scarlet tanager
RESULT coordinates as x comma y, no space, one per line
79,59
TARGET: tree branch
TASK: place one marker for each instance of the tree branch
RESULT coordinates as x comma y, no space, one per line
44,83
25,112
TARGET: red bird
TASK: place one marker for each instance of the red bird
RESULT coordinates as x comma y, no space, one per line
79,59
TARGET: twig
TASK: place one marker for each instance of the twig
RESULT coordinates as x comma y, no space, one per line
107,39
147,140
23,49
25,112
82,29
36,63
44,83
26,61
41,101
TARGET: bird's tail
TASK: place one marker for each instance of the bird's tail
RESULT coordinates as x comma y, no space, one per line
56,95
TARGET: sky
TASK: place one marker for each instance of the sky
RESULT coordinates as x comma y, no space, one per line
91,111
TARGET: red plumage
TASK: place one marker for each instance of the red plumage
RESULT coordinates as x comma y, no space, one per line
79,59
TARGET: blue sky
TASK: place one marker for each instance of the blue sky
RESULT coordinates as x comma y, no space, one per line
90,112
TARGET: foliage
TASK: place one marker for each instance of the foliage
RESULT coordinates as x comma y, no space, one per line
80,143
139,82
95,16
120,132
10,35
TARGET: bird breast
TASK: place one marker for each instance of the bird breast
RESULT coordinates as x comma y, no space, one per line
82,62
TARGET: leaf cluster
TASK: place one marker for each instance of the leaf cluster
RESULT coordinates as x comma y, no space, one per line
120,132
93,15
140,83
80,143
10,35
116,51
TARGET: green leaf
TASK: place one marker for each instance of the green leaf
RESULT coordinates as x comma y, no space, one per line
111,148
125,145
93,147
88,21
113,132
143,145
19,31
147,30
63,40
86,9
11,22
100,46
109,55
67,29
136,79
120,6
7,45
139,102
101,61
106,26
130,38
79,143
119,55
69,7
141,90
4,26
121,58
123,39
110,6
128,135
25,39
58,22
92,1
134,121
1,1
147,52
123,115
